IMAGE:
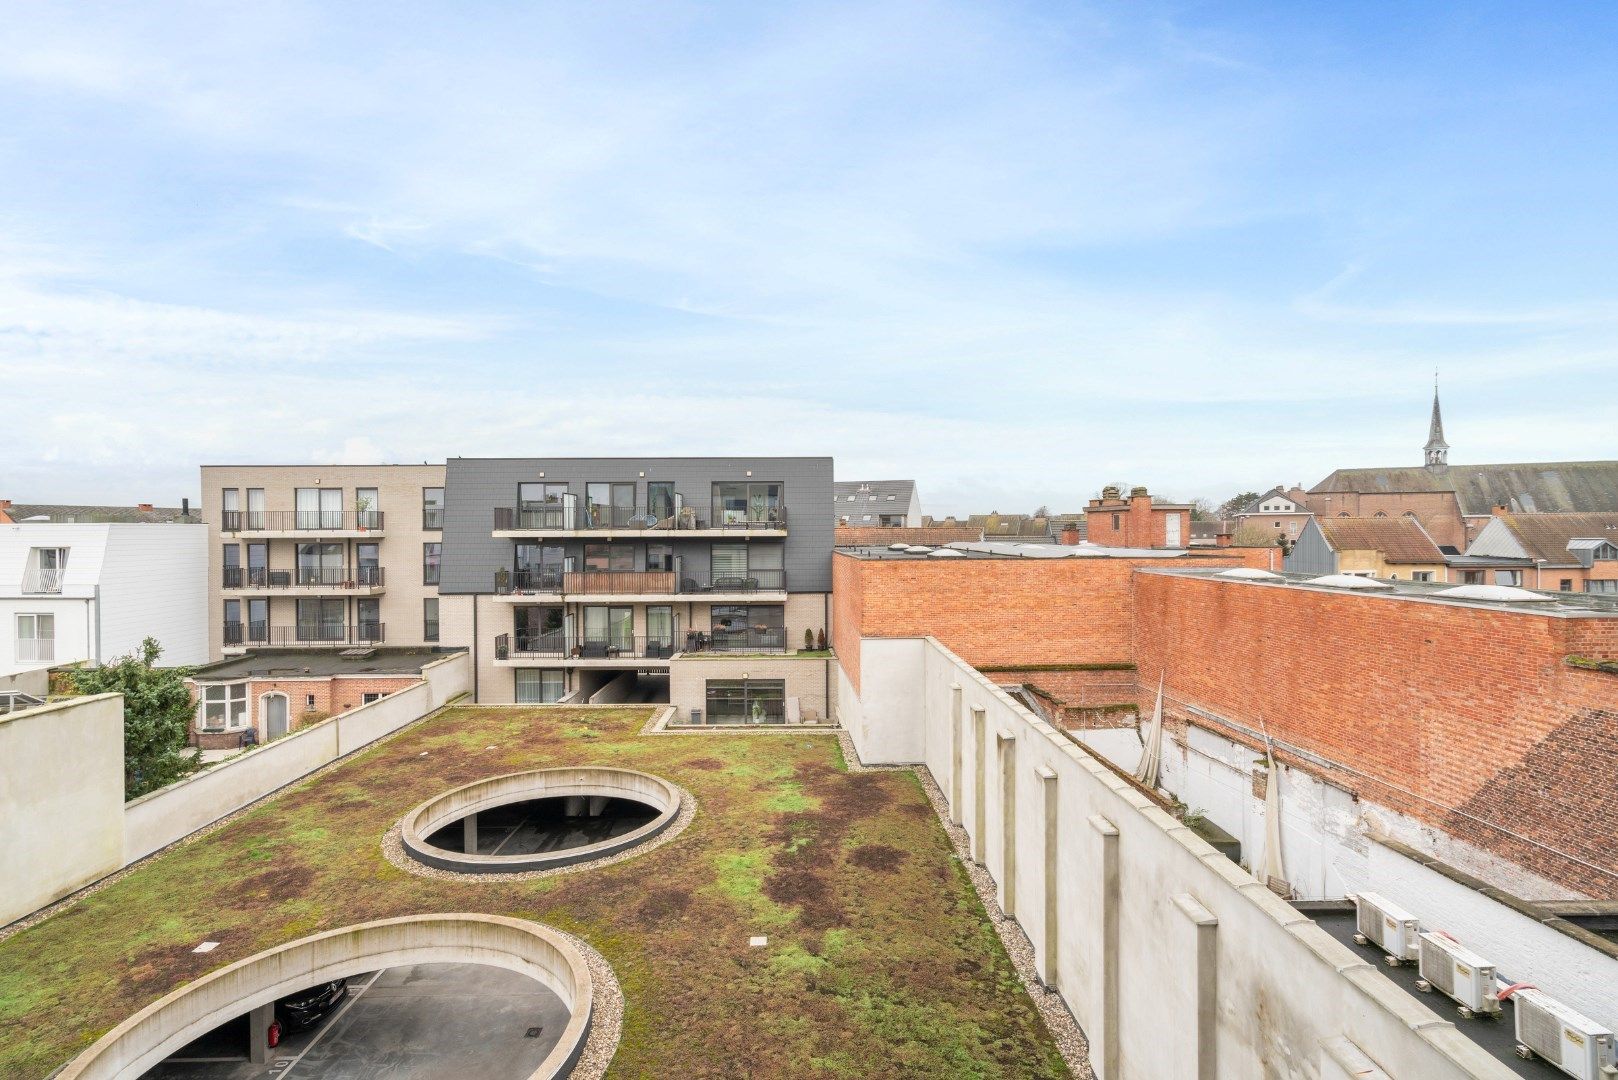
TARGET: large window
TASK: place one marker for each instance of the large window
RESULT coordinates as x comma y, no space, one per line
233,622
258,620
368,564
321,620
319,508
432,508
1610,586
660,499
368,617
255,508
539,629
543,506
540,567
224,706
609,556
614,626
660,630
746,701
748,566
739,503
749,627
659,556
321,564
36,639
537,686
47,569
430,554
608,505
367,508
429,619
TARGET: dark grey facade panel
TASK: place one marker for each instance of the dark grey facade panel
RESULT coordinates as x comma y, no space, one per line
474,487
1311,554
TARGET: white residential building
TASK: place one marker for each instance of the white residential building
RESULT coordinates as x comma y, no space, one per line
92,591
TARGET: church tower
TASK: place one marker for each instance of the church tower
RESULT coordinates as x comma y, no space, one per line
1437,450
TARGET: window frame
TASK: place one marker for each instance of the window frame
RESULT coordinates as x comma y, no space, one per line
427,510
432,569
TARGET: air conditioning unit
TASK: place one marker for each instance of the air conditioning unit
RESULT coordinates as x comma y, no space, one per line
1381,923
1550,1030
1458,972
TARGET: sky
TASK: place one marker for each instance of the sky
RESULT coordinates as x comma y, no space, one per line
1012,251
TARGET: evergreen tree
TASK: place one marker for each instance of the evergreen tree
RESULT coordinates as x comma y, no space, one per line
157,715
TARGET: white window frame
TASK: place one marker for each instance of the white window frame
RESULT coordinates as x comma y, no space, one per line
230,701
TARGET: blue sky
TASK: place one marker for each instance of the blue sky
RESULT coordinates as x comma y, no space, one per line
1015,251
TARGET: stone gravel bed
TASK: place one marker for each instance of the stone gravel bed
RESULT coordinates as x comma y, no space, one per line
606,1013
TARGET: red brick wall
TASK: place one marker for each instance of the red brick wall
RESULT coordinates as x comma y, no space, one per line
935,535
1140,523
332,696
1473,709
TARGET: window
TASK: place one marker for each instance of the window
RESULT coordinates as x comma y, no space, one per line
230,518
543,506
36,639
1117,521
1472,577
319,508
367,698
1609,586
1379,514
608,505
891,498
851,498
660,499
367,509
47,567
536,686
258,620
746,701
368,616
233,622
367,564
255,508
429,619
739,503
321,564
540,628
540,567
609,556
1421,575
748,628
659,557
432,508
224,706
430,554
660,629
230,560
1567,584
308,703
1508,577
613,626
321,620
1606,553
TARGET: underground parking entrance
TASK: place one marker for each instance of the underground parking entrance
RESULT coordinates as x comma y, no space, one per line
413,997
539,820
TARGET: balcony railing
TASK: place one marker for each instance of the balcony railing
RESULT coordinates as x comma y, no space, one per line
741,639
233,521
36,650
631,582
343,577
43,581
260,633
565,517
564,646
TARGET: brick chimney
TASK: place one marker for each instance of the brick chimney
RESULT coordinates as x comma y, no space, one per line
145,508
1222,538
1070,534
1499,510
5,504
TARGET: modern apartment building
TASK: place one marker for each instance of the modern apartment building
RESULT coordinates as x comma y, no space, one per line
697,581
322,556
90,583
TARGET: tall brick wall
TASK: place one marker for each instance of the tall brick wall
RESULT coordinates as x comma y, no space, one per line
1467,718
882,536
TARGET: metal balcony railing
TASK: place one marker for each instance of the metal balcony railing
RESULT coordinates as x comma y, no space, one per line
36,650
630,582
251,633
563,646
337,577
326,634
565,517
43,581
744,639
233,521
751,581
517,582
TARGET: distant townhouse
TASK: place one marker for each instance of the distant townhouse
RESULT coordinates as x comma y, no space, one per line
1368,547
90,583
1560,552
877,504
322,556
1279,511
702,582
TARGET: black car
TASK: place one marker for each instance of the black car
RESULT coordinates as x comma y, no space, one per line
309,1007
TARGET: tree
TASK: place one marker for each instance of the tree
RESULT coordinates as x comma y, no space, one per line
1043,511
157,714
1237,503
1249,535
1201,510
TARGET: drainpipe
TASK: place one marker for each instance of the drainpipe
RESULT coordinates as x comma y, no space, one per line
475,647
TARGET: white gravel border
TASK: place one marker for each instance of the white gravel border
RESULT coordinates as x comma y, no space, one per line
393,850
1070,1039
606,1012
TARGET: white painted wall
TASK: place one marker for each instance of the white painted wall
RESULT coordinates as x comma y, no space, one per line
1285,987
1522,949
61,800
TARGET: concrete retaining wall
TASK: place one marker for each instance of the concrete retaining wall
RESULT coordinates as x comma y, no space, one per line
1173,959
61,800
152,1034
156,820
35,682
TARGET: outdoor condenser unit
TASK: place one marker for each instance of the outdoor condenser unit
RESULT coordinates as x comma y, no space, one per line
1391,928
1457,971
1550,1030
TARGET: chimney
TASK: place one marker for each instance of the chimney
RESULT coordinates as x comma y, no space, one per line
185,507
1139,493
145,508
1070,534
1109,493
1498,510
5,504
1222,538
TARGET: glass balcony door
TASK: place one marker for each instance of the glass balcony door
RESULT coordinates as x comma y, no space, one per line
614,626
544,506
320,564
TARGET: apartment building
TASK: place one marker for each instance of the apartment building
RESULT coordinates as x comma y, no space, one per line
695,581
889,504
90,583
322,556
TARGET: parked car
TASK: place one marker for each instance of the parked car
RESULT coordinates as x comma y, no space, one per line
306,1008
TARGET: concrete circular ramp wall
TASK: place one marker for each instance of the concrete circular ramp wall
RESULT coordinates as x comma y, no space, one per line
145,1039
591,781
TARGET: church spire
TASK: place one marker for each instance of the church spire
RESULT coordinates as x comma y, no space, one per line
1437,450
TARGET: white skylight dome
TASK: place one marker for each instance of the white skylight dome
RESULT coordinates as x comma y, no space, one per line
1350,581
946,553
1497,594
1248,573
900,546
918,549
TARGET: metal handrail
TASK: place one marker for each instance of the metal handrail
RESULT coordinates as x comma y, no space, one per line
43,580
233,521
751,581
562,645
563,517
262,577
367,633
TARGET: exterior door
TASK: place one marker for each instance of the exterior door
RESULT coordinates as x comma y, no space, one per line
1171,530
275,716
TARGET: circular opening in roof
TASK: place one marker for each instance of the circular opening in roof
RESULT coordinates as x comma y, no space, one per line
1248,573
1349,581
1497,594
539,820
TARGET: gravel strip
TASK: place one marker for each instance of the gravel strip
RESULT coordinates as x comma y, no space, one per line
606,1013
1070,1040
393,850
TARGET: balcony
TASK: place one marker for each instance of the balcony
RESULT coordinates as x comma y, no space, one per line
36,650
305,581
647,585
746,639
272,524
570,650
567,519
304,635
43,582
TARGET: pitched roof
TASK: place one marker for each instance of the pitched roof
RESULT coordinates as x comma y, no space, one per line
867,491
1524,487
1547,536
60,513
1399,540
